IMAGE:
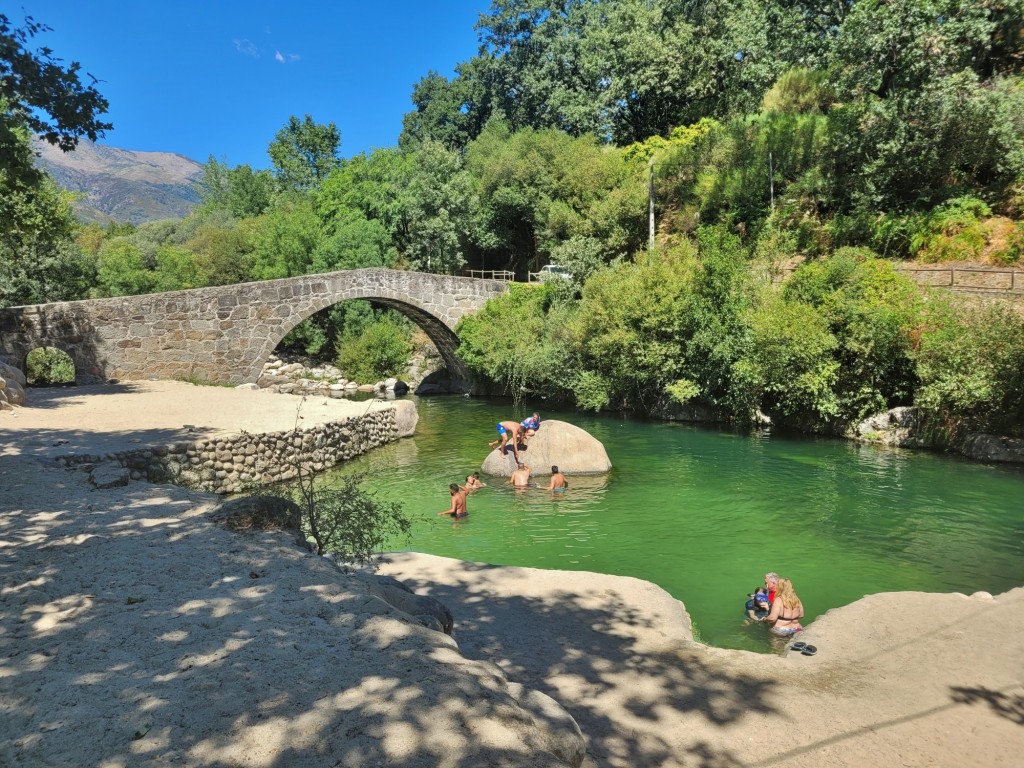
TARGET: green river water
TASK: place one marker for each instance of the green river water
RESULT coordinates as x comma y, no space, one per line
703,512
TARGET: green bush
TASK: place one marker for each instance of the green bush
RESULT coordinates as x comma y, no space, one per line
517,340
46,366
871,311
380,350
347,521
970,361
953,231
790,369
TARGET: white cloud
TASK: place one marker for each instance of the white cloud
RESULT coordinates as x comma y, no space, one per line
286,58
248,47
278,56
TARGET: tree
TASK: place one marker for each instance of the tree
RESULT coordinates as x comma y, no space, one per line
39,94
38,262
439,205
240,191
284,239
304,153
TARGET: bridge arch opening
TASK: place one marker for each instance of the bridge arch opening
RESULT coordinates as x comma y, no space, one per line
49,367
346,330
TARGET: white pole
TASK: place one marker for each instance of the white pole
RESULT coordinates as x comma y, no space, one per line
650,207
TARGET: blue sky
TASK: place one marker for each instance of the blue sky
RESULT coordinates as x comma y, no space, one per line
221,78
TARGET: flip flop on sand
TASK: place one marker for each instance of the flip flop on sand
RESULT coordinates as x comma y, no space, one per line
809,650
797,646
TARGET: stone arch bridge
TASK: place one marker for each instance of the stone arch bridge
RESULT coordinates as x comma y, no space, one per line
224,334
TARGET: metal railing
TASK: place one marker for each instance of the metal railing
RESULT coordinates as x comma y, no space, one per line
490,274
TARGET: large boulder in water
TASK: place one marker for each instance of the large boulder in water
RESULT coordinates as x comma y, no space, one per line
573,450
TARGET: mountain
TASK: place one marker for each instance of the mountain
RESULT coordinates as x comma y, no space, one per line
121,185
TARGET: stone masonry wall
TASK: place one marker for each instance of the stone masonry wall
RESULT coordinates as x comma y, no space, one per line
234,463
224,334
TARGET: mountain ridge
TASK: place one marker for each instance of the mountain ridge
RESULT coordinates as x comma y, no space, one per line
123,185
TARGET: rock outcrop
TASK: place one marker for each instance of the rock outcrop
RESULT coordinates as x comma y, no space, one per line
573,450
12,386
898,426
999,448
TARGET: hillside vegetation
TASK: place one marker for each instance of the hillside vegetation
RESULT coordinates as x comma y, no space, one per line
836,134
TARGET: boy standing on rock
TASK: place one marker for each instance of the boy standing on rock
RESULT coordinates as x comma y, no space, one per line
509,430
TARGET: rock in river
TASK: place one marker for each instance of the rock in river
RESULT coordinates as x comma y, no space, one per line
573,450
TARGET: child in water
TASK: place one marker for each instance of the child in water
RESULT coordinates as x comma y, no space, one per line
758,606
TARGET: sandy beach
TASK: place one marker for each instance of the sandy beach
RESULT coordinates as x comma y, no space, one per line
135,631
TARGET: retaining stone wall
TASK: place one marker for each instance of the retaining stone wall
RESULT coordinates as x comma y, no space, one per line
236,462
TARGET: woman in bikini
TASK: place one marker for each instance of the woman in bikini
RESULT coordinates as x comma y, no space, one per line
787,610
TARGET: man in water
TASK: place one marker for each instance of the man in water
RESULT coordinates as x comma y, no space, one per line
771,581
509,430
558,481
521,477
458,507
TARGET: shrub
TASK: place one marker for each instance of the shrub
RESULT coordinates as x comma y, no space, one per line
46,366
953,231
791,367
870,309
347,521
970,361
515,341
380,350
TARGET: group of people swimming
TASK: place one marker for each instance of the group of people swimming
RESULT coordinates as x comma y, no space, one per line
514,433
778,604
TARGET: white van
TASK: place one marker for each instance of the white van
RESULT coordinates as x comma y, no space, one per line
553,270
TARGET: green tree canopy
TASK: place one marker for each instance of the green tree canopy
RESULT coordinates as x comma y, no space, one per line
304,153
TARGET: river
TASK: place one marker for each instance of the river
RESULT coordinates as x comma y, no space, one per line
703,512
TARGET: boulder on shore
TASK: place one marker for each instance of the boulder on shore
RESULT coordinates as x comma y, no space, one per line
12,386
573,450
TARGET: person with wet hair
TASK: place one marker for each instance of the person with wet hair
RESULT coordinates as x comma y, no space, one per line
458,508
558,481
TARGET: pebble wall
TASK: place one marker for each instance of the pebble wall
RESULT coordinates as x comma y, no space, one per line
238,462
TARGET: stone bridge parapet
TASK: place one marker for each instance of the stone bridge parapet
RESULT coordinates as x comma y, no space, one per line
223,334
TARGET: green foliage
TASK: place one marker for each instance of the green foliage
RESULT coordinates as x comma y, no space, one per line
371,186
177,268
38,95
284,239
952,231
355,243
871,311
514,342
537,189
122,270
683,391
970,361
631,329
304,153
438,201
378,351
239,191
800,91
346,520
791,371
46,366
